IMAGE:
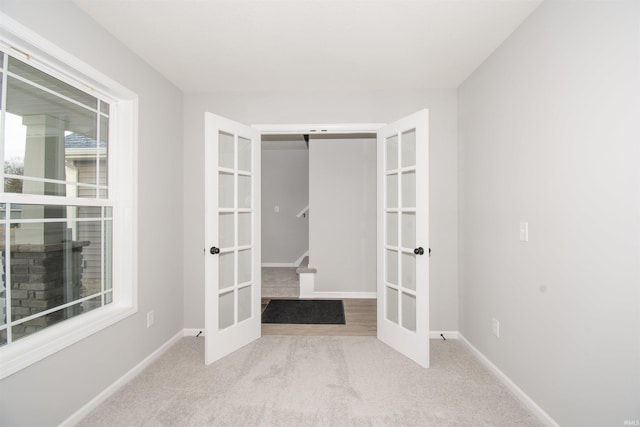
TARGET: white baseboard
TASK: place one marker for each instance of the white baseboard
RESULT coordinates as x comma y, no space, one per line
450,335
337,295
279,264
295,263
504,379
111,389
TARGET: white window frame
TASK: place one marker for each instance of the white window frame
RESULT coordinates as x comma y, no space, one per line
39,52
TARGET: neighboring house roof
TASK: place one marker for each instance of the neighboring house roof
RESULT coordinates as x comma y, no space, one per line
75,140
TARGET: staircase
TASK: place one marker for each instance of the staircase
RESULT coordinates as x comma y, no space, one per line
286,282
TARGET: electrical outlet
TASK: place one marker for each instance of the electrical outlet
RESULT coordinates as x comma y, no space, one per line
150,319
495,327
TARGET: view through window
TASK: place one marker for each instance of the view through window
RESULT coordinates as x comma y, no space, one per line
55,210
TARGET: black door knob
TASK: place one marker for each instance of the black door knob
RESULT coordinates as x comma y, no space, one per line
418,251
214,250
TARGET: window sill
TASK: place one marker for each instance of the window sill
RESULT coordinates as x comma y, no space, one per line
29,350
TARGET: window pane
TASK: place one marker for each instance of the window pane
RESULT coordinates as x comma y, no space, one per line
104,107
49,269
103,150
108,256
48,137
39,323
3,292
36,76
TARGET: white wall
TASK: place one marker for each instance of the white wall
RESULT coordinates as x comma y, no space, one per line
51,390
332,107
285,183
549,133
342,229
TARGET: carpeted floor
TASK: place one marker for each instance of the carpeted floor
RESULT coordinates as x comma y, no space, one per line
313,381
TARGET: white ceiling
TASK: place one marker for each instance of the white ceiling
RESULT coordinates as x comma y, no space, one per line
249,45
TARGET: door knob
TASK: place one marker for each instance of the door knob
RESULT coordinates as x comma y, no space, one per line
214,250
418,251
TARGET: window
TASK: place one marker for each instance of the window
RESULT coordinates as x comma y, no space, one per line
66,197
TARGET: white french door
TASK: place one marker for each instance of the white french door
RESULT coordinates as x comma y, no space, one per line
403,236
232,236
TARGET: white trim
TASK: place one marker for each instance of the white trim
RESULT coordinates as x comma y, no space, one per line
303,211
295,263
337,295
279,264
120,382
303,256
504,379
340,128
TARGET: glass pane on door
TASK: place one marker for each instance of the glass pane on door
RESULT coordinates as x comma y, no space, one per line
392,305
244,229
408,148
225,150
408,270
244,191
226,225
226,270
409,311
392,229
244,154
409,230
244,303
409,190
392,153
226,190
392,191
392,267
226,310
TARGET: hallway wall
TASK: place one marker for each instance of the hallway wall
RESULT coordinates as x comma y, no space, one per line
285,183
342,190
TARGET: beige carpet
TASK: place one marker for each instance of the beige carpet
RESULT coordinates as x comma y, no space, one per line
313,381
280,282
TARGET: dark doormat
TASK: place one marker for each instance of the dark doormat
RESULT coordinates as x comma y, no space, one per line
305,312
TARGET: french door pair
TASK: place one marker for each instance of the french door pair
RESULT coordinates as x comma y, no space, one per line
232,236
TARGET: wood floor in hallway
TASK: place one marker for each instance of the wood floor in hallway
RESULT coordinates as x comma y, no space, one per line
360,316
